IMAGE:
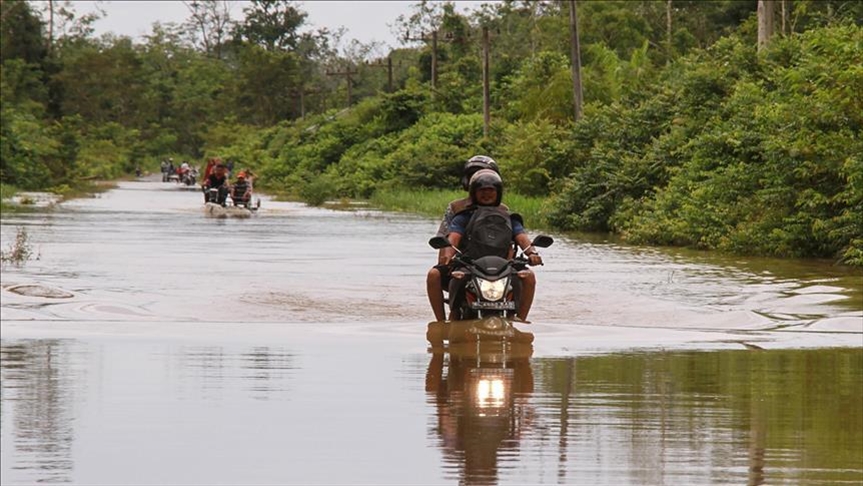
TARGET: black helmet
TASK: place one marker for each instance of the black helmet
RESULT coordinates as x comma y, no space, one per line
486,178
475,163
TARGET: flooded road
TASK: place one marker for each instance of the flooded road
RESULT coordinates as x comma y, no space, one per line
150,344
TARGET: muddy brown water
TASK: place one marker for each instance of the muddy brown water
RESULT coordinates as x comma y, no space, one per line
150,344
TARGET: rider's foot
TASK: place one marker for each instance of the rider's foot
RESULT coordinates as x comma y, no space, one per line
521,320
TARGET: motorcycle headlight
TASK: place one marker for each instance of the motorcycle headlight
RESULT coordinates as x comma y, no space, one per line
492,290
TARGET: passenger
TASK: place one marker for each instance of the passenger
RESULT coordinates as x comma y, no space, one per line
211,164
438,277
486,193
218,179
250,176
241,191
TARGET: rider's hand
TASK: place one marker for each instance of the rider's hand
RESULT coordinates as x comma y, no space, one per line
446,256
534,259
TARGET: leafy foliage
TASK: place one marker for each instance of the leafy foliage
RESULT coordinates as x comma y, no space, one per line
689,136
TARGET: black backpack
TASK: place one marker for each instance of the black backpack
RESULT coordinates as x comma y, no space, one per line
489,232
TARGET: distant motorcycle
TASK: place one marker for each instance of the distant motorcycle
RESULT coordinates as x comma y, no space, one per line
189,177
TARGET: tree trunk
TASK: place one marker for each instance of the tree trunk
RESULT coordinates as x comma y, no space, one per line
50,25
668,42
486,117
765,22
576,59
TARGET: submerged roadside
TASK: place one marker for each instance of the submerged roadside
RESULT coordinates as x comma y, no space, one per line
13,199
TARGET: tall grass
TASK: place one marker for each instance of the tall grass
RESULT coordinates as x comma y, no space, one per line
20,250
432,203
7,191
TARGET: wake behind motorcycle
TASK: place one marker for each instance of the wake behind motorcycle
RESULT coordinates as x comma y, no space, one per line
492,283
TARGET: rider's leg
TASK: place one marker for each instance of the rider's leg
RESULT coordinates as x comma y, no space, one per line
456,298
434,289
528,289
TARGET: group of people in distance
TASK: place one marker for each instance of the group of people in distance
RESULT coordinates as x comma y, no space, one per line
168,169
217,176
481,179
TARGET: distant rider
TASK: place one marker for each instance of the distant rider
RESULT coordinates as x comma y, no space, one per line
164,167
486,192
218,179
241,190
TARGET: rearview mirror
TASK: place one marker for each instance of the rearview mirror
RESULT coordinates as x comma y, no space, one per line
439,242
543,241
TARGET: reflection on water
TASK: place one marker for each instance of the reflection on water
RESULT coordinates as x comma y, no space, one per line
736,417
58,396
35,387
89,411
262,372
482,403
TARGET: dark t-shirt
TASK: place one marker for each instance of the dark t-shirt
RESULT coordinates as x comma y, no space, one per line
215,181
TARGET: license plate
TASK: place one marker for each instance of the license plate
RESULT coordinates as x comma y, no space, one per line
499,305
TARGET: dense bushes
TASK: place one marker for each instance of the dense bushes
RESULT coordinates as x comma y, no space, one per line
725,149
774,169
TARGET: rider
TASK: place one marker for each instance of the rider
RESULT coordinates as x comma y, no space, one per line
486,192
218,179
241,191
439,275
164,167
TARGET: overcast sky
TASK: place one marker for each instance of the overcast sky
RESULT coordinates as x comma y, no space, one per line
365,21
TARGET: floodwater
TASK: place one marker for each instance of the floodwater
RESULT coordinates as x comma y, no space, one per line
150,344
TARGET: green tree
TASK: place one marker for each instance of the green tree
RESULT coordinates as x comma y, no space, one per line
21,33
272,24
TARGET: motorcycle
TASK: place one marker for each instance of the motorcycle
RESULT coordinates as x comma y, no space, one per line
246,203
211,195
189,177
491,288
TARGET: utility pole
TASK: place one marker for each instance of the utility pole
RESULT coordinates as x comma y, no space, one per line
434,40
347,73
486,116
389,66
303,91
576,59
